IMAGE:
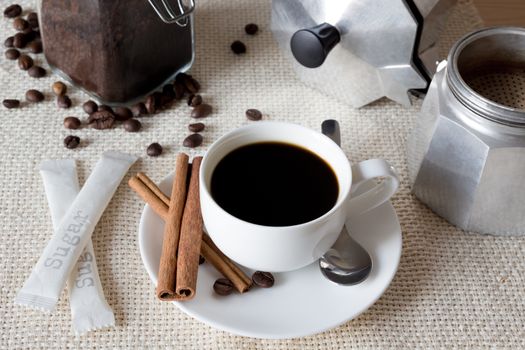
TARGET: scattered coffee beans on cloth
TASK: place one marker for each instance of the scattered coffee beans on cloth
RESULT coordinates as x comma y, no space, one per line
72,123
201,111
34,96
192,141
101,120
238,47
251,29
154,150
253,114
12,11
71,141
59,88
132,125
196,127
11,103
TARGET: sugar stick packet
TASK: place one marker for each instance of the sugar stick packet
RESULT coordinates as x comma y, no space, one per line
48,278
89,308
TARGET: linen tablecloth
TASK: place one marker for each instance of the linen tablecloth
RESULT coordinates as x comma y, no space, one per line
452,289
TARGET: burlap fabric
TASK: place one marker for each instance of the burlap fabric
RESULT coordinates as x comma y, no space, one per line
453,289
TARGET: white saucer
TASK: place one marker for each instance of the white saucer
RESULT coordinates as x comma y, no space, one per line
301,302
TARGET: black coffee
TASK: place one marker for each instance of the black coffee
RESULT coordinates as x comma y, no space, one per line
274,184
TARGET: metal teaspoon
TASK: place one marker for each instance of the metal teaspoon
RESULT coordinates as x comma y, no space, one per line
347,262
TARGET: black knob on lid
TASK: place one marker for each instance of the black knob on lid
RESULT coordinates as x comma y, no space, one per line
311,46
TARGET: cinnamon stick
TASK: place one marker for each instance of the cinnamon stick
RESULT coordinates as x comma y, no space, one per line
170,243
190,238
147,189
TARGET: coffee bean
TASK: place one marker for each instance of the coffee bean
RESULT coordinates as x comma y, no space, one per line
263,279
32,18
180,90
30,35
132,125
196,127
251,29
253,114
151,104
201,111
12,11
63,101
102,119
20,40
36,72
9,42
154,150
11,103
123,113
72,123
20,24
139,109
71,141
106,108
90,107
223,286
192,141
238,47
59,88
12,54
25,62
168,91
34,96
35,46
194,100
201,260
190,84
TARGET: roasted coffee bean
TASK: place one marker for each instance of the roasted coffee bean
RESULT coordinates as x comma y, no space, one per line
59,88
34,96
71,141
154,150
30,35
253,114
20,24
36,72
168,91
123,113
106,108
263,279
12,11
201,111
63,101
190,84
11,103
90,107
194,100
192,141
251,29
223,286
132,125
139,109
12,54
238,47
35,46
72,123
201,260
9,42
196,127
20,40
180,90
32,18
25,62
165,100
101,120
151,103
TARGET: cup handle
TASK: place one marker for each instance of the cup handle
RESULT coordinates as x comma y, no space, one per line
380,193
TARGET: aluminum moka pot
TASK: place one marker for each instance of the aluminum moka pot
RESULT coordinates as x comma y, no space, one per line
359,51
466,154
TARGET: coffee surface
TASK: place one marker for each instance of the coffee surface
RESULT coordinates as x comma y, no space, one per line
274,184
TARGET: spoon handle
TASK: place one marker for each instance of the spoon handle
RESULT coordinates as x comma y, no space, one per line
330,128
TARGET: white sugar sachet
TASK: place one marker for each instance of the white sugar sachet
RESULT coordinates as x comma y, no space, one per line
48,278
89,309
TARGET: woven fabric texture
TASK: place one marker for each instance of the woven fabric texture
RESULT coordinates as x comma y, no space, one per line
453,289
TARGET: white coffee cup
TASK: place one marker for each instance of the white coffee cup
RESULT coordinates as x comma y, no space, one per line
285,248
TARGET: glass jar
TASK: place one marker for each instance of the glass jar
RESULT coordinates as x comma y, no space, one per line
116,50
